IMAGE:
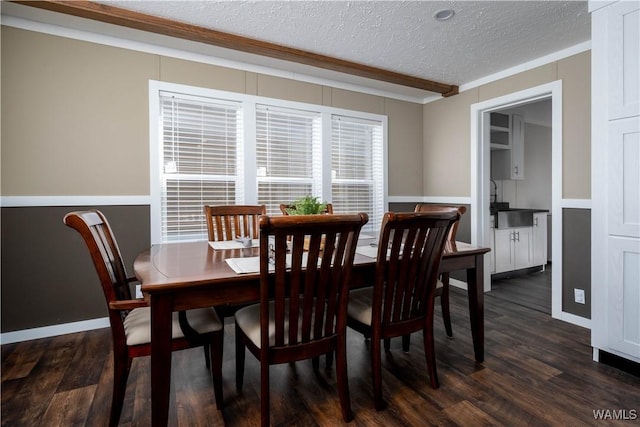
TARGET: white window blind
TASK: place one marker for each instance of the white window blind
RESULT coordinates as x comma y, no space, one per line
356,168
288,155
215,147
201,139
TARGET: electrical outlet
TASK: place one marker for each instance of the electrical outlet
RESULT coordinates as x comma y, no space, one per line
579,295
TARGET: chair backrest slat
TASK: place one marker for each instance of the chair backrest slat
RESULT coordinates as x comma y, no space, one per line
228,222
307,286
409,252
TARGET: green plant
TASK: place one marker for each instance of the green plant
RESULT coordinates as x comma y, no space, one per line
307,205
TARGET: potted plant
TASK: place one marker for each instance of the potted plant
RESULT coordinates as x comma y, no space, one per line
307,205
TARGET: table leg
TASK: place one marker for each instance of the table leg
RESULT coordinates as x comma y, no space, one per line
475,289
161,309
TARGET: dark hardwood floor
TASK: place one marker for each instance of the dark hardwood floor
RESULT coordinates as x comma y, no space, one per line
538,371
531,290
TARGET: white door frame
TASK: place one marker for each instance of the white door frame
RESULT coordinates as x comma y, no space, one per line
480,175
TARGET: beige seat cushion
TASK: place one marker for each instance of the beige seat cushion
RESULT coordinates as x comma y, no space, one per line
248,319
138,331
360,302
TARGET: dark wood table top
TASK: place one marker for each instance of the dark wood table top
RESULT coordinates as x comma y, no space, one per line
171,266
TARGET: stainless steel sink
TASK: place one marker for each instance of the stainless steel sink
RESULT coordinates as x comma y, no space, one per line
514,217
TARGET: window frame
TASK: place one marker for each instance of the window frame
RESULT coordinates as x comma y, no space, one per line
246,158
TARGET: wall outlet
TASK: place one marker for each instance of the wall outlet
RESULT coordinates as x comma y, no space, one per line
579,296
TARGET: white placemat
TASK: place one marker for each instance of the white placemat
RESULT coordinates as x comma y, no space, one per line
368,250
232,244
372,251
244,265
366,236
251,264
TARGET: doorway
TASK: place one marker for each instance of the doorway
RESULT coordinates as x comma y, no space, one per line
481,164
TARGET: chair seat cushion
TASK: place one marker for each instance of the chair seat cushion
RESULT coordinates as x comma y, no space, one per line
248,319
138,331
360,302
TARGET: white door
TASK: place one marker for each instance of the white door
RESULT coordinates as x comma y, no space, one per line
615,226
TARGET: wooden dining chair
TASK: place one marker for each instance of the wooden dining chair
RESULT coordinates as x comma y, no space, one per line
228,222
401,300
130,318
284,208
442,288
303,298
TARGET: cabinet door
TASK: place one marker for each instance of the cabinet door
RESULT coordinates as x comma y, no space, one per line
517,147
623,295
539,239
522,247
504,250
624,66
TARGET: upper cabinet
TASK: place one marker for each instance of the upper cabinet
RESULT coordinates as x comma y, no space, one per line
507,146
623,59
500,135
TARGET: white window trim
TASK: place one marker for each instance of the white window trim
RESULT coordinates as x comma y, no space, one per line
248,175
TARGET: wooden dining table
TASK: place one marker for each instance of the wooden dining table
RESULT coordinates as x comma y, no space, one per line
188,275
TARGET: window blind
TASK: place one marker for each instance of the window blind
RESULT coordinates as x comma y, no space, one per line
288,155
201,139
356,168
214,147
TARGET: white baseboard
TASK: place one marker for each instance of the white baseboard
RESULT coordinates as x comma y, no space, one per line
457,283
53,330
575,320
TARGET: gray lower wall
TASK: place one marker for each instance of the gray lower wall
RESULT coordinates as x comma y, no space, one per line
576,260
47,274
48,278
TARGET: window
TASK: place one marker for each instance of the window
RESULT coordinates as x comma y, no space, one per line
200,140
212,147
285,143
356,177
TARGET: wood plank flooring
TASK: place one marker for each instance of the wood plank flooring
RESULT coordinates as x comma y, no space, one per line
531,290
538,371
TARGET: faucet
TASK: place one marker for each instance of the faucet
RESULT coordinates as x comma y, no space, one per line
495,191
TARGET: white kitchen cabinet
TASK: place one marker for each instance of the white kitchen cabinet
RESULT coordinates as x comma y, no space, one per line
539,239
500,134
615,145
507,160
513,248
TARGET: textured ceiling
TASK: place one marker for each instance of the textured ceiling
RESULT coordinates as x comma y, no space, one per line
483,38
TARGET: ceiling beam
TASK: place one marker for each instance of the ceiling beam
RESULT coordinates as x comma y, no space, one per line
168,27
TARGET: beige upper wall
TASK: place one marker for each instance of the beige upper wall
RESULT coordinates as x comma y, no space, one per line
575,73
71,117
447,153
75,118
447,128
